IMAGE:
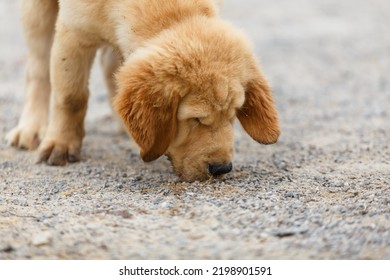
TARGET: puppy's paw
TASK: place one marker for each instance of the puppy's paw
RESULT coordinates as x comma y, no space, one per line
59,152
25,136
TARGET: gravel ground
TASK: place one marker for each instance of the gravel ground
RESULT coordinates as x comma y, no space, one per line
321,192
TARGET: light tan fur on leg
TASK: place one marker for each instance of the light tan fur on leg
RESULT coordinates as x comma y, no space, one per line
71,62
38,19
110,60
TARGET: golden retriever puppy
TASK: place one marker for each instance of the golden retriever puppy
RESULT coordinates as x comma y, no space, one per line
183,76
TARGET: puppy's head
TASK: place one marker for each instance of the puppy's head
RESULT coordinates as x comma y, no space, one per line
180,94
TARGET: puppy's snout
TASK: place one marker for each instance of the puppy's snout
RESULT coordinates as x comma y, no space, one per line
220,169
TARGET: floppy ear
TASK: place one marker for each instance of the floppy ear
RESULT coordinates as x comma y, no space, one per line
258,115
148,109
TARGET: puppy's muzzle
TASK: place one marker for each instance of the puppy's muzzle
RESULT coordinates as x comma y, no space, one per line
220,169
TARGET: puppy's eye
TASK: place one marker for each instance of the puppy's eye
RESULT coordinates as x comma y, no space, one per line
197,120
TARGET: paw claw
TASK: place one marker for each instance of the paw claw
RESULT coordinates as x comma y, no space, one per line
44,154
73,158
57,154
12,137
23,138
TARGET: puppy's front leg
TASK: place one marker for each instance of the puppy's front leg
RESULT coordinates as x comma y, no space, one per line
71,61
111,60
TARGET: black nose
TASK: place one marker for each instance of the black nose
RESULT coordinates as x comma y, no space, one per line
220,169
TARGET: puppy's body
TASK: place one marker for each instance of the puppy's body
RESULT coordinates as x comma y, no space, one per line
185,76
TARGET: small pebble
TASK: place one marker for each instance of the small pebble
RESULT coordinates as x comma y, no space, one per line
42,238
7,249
335,184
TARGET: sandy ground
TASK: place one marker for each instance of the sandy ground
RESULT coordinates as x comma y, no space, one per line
321,192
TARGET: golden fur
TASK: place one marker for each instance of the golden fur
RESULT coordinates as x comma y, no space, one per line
184,76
